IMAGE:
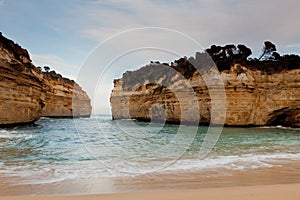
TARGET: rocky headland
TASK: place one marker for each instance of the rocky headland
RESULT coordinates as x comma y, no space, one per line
64,98
257,92
27,93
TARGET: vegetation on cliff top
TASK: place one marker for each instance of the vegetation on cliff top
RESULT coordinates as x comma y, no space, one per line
269,62
16,49
54,75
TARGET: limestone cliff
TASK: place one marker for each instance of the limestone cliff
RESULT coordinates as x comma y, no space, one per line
65,98
252,97
27,93
22,87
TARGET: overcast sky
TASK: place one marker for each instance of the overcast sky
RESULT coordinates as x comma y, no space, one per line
106,35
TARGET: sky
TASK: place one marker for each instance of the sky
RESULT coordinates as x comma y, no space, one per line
95,41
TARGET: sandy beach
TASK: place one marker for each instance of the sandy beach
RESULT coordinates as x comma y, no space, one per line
149,100
274,183
259,192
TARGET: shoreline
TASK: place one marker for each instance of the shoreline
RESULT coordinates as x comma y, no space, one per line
282,173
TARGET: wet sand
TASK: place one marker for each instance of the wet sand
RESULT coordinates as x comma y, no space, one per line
264,192
282,181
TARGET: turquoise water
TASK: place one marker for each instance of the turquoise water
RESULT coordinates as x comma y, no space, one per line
58,149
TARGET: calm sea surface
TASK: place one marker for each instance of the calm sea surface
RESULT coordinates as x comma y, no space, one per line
62,149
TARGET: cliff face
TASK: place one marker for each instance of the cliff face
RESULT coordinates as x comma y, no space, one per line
65,98
252,97
22,88
27,93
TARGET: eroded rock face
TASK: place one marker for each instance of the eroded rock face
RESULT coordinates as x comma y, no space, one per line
22,87
252,98
65,98
27,93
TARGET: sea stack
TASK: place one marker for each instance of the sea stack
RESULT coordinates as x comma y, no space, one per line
253,97
27,93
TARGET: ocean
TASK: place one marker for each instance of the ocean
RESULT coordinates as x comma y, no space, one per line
54,150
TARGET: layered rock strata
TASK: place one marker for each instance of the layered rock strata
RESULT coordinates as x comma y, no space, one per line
27,93
65,98
252,98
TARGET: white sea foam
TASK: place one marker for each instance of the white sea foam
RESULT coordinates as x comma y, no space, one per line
244,162
279,127
233,162
93,169
10,134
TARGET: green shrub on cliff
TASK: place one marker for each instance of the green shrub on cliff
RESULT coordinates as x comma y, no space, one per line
269,62
224,57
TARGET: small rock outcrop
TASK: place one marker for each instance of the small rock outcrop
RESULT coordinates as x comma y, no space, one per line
252,97
27,93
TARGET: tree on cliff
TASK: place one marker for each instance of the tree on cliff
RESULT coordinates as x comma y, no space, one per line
268,49
276,56
46,68
244,52
225,57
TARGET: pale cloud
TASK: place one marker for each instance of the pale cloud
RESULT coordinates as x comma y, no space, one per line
297,45
55,63
1,2
250,22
